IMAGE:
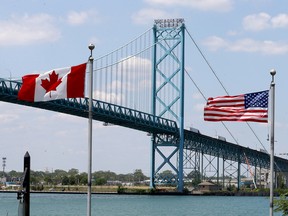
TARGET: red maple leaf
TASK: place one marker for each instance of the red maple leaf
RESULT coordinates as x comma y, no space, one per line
51,85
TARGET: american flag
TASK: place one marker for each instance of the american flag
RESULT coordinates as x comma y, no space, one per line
246,107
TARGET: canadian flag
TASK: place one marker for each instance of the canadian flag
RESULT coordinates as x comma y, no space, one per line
59,83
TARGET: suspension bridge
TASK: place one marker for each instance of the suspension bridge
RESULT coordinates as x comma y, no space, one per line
141,86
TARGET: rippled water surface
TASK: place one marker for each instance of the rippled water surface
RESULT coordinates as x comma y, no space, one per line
131,205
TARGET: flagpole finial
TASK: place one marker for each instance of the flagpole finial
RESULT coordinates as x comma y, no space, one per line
91,47
273,73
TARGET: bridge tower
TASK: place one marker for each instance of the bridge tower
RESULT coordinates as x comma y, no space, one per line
168,101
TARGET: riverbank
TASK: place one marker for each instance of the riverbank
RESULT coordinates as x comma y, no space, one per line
142,190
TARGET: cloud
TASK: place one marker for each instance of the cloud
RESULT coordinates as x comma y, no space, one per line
204,5
247,45
280,21
23,30
256,22
147,15
82,17
215,43
262,21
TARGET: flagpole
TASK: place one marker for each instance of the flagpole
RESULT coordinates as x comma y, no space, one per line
91,59
272,87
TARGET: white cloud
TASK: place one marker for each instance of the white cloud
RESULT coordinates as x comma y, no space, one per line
280,21
247,45
205,5
23,30
147,15
109,97
82,17
131,63
262,21
214,43
256,22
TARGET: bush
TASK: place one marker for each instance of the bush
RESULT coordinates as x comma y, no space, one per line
281,204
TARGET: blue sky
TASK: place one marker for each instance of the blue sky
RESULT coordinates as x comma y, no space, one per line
242,40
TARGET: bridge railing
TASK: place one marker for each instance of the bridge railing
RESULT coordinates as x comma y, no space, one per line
9,87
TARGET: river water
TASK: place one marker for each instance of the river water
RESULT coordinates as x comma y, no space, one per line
48,204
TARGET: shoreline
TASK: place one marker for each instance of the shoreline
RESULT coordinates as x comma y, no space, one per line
218,193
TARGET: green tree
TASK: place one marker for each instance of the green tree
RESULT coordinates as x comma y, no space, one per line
195,175
65,180
167,175
72,180
139,176
281,204
100,181
83,178
48,180
73,171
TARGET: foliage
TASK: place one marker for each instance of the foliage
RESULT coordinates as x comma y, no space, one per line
120,190
231,187
60,177
281,204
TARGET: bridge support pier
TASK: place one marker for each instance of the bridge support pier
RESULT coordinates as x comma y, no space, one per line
168,49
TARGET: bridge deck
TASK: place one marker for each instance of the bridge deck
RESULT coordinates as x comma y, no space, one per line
230,151
102,111
134,119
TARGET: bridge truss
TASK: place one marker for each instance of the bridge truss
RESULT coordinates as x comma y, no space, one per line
172,147
196,146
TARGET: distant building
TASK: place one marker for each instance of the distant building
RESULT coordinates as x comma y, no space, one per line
208,186
12,184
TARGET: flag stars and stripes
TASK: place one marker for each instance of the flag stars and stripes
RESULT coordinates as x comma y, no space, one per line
245,107
256,99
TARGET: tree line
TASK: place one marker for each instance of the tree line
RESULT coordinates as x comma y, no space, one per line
74,177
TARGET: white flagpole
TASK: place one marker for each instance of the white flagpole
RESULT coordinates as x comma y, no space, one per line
272,108
91,59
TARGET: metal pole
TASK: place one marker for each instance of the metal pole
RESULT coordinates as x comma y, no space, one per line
272,112
153,109
181,117
26,185
91,59
152,162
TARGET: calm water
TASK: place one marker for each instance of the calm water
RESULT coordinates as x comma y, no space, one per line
131,205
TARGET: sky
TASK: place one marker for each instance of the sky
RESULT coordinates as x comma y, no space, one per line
242,41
